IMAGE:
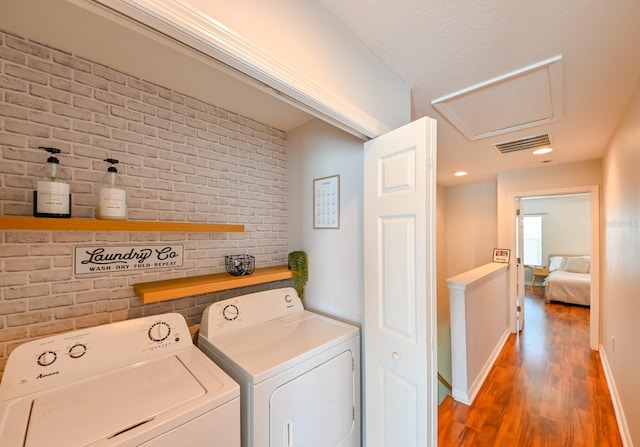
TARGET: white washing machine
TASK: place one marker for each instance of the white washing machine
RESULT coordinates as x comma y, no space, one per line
131,383
299,372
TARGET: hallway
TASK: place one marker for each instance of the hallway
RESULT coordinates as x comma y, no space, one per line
547,388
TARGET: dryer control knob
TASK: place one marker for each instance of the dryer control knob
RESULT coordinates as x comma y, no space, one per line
78,350
47,358
159,331
230,312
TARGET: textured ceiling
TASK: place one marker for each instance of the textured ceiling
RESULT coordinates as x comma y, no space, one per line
440,47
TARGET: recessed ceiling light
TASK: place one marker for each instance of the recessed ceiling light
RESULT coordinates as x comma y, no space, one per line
460,173
544,150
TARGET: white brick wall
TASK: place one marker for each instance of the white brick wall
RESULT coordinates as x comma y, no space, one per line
181,159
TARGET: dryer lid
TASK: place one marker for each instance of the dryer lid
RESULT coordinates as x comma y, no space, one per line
104,407
264,350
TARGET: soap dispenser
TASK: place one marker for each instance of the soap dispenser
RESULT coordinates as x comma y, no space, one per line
112,195
52,197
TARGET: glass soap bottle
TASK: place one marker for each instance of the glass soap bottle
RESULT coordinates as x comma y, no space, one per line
112,195
52,197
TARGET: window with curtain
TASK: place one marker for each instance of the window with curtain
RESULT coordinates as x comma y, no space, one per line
532,235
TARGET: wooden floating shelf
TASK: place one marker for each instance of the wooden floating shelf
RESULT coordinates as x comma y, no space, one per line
171,289
54,224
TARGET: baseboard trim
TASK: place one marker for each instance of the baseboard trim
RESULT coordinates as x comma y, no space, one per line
467,396
477,384
615,398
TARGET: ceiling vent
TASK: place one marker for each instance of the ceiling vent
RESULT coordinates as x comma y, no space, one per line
523,143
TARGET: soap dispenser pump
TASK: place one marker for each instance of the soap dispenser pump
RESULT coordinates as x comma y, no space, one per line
112,195
52,197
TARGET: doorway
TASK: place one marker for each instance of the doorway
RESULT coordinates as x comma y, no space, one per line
517,292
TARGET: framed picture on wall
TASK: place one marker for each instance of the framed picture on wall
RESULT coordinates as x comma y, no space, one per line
326,202
501,255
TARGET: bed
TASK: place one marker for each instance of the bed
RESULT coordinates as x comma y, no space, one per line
569,279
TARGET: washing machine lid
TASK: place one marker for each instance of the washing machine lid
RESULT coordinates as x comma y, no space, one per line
266,349
100,408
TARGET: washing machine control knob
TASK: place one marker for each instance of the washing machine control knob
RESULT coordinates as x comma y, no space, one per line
78,350
159,331
230,312
47,358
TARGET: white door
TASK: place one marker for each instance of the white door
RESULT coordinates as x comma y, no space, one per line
400,295
519,258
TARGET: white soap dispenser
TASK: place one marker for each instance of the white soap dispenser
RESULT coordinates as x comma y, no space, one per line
52,197
112,195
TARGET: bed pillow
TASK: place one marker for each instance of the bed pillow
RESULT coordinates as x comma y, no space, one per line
556,263
577,265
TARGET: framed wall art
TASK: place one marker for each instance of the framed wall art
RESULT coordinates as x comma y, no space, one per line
501,255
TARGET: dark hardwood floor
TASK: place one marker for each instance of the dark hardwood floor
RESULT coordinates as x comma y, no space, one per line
547,388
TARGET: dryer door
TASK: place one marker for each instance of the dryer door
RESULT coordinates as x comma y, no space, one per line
317,408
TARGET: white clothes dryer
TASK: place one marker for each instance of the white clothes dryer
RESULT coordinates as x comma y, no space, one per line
299,372
131,383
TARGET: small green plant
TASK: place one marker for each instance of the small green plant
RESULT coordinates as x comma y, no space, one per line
299,270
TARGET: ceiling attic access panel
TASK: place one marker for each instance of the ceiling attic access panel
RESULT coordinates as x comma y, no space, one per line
524,98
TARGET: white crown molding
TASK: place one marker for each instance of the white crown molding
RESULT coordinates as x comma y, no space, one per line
177,20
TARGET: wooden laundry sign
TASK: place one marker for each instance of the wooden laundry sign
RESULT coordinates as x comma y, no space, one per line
107,259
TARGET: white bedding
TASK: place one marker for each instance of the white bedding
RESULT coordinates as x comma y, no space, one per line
568,287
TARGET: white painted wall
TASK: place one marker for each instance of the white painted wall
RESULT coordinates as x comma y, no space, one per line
541,179
443,306
621,268
471,226
336,267
566,223
479,325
